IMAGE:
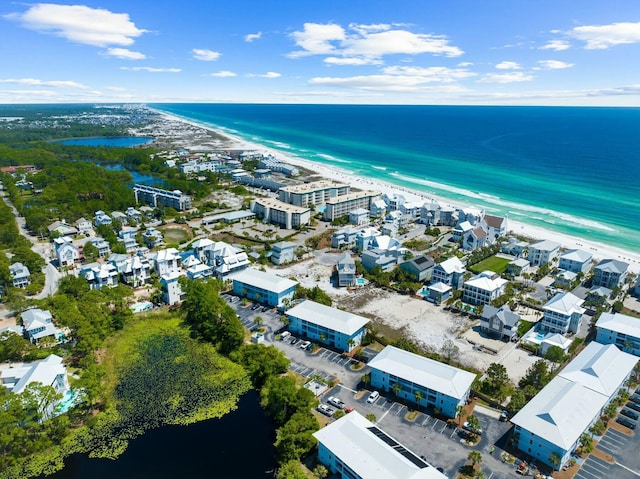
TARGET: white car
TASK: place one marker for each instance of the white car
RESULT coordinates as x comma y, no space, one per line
373,396
336,402
326,410
466,426
304,344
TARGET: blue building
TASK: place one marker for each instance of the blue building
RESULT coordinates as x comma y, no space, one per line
439,385
621,330
266,288
327,325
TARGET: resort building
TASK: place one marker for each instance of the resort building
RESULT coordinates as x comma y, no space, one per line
330,326
20,275
576,261
439,385
341,205
621,330
499,322
66,252
277,212
543,252
157,197
283,252
483,288
562,314
610,273
346,270
353,448
420,268
316,193
551,424
263,287
450,272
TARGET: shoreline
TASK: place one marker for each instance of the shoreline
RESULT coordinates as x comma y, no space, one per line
600,251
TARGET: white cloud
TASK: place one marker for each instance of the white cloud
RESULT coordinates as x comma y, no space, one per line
556,45
205,55
554,64
390,83
508,66
270,75
223,74
152,69
511,77
367,41
252,36
79,23
28,94
116,88
430,74
50,83
125,54
352,61
465,64
598,37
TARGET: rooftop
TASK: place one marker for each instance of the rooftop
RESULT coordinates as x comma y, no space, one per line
620,323
565,303
281,206
438,376
328,317
263,280
313,186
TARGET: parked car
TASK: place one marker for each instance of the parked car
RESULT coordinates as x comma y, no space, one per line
284,335
265,309
635,398
629,413
467,427
294,340
304,344
326,410
504,415
334,401
373,396
626,422
633,405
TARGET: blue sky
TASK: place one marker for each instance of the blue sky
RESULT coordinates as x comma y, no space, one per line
520,52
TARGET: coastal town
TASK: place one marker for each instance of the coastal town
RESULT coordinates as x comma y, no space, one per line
438,340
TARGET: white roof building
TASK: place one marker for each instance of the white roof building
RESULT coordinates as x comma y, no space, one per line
369,452
620,323
437,376
565,304
328,317
263,280
49,372
452,265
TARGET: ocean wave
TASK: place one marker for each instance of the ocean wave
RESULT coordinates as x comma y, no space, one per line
279,144
332,158
383,168
505,204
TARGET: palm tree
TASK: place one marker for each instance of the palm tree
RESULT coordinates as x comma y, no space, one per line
475,457
418,396
461,412
396,388
555,460
258,321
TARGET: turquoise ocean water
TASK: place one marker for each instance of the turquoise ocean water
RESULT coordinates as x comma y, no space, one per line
574,170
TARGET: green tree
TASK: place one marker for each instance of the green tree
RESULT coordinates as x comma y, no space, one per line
417,396
518,401
295,438
13,347
281,398
538,375
496,378
291,470
475,457
555,354
320,471
461,413
371,417
474,424
555,460
261,362
396,388
90,251
586,442
449,350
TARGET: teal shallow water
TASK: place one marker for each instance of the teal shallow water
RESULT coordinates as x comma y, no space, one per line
569,170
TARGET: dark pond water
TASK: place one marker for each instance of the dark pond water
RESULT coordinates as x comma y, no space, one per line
237,446
119,141
139,178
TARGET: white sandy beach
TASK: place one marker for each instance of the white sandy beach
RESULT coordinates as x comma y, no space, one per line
599,251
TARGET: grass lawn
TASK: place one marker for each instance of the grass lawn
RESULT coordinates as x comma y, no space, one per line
494,263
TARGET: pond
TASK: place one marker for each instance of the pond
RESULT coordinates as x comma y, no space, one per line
139,178
118,141
238,445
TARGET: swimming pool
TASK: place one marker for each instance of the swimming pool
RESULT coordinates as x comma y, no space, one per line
142,307
361,282
70,399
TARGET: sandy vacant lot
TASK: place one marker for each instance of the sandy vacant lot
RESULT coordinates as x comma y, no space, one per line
419,320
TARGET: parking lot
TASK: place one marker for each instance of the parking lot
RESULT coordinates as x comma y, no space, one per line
624,450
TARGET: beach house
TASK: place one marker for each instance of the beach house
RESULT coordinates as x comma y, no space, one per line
499,322
576,261
483,288
326,325
549,427
420,268
38,325
346,268
450,272
66,252
171,290
20,275
344,238
610,273
562,314
263,287
439,385
621,330
353,447
99,275
283,252
543,252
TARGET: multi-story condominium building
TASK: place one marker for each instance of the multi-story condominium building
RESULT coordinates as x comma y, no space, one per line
324,324
610,273
441,386
562,314
543,252
263,287
316,193
450,272
483,288
353,448
341,205
553,421
621,330
158,197
20,275
576,261
280,213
